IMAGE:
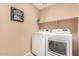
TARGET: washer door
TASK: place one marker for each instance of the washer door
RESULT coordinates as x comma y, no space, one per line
57,47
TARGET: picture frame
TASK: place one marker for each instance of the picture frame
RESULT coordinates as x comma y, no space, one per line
17,14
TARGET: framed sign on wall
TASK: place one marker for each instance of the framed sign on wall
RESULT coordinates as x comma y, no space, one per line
17,15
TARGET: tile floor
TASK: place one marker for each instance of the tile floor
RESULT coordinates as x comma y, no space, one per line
28,54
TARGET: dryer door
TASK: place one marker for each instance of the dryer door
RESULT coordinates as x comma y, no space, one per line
38,45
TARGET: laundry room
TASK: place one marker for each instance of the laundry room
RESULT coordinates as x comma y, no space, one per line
39,29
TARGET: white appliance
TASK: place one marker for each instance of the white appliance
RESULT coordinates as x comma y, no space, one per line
55,43
38,44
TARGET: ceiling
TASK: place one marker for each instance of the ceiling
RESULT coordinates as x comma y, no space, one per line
42,5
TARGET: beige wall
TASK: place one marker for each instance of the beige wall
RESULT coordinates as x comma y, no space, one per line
15,37
60,11
78,9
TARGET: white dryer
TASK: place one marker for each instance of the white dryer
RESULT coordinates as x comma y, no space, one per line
38,44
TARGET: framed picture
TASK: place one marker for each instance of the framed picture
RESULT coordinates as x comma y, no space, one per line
17,15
